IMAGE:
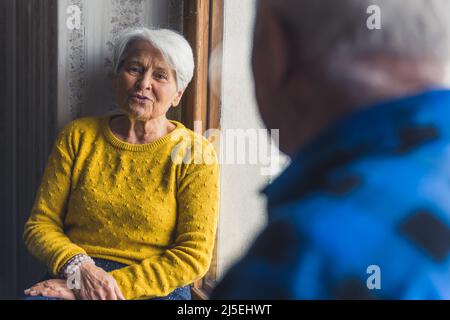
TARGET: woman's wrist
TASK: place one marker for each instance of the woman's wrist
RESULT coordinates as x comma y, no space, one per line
73,265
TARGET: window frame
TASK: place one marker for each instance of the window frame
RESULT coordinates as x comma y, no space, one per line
203,28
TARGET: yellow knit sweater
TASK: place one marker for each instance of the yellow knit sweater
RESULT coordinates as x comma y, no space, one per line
128,203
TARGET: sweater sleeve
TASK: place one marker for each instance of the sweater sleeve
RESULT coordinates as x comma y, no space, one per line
44,230
189,257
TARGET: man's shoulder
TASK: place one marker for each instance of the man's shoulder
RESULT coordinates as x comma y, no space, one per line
393,209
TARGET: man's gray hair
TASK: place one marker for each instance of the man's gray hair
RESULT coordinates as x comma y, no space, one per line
409,28
173,46
335,33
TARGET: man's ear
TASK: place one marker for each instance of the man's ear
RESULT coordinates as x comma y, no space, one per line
276,45
177,98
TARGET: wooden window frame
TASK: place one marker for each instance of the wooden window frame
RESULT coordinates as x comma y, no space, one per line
203,28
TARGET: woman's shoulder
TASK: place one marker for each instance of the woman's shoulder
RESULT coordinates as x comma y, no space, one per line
82,125
194,147
79,132
191,136
195,141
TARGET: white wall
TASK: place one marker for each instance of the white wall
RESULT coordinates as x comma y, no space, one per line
242,210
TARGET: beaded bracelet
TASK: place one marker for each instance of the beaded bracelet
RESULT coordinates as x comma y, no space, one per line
74,264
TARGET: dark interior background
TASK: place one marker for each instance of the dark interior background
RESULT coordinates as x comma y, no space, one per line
27,128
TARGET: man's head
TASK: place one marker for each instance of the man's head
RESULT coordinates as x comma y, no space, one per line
316,60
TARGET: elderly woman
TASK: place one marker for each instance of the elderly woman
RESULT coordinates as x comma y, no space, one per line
114,211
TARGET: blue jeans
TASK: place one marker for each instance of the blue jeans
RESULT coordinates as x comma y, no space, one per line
182,293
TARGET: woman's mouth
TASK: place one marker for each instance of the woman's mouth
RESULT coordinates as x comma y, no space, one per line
139,99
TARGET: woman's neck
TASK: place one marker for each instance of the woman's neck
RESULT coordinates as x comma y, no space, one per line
140,132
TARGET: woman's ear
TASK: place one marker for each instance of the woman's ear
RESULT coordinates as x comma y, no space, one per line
177,98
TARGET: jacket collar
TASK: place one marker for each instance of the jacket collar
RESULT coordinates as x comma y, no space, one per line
389,127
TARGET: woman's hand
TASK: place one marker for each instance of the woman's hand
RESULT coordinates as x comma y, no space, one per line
97,284
53,288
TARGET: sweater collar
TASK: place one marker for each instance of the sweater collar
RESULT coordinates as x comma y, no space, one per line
116,142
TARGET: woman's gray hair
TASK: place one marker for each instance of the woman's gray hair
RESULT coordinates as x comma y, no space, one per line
173,46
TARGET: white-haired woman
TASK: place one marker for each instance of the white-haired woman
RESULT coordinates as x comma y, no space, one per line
115,214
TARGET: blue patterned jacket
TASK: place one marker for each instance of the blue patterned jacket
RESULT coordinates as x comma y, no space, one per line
363,212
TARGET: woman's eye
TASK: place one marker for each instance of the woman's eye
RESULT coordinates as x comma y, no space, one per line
160,76
134,70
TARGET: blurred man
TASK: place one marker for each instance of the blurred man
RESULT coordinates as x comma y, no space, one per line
363,211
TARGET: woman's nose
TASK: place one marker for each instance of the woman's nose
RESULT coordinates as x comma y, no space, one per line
144,82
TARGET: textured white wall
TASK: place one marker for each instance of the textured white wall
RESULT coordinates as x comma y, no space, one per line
242,210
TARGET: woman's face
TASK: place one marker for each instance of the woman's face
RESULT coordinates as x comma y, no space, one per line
145,84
